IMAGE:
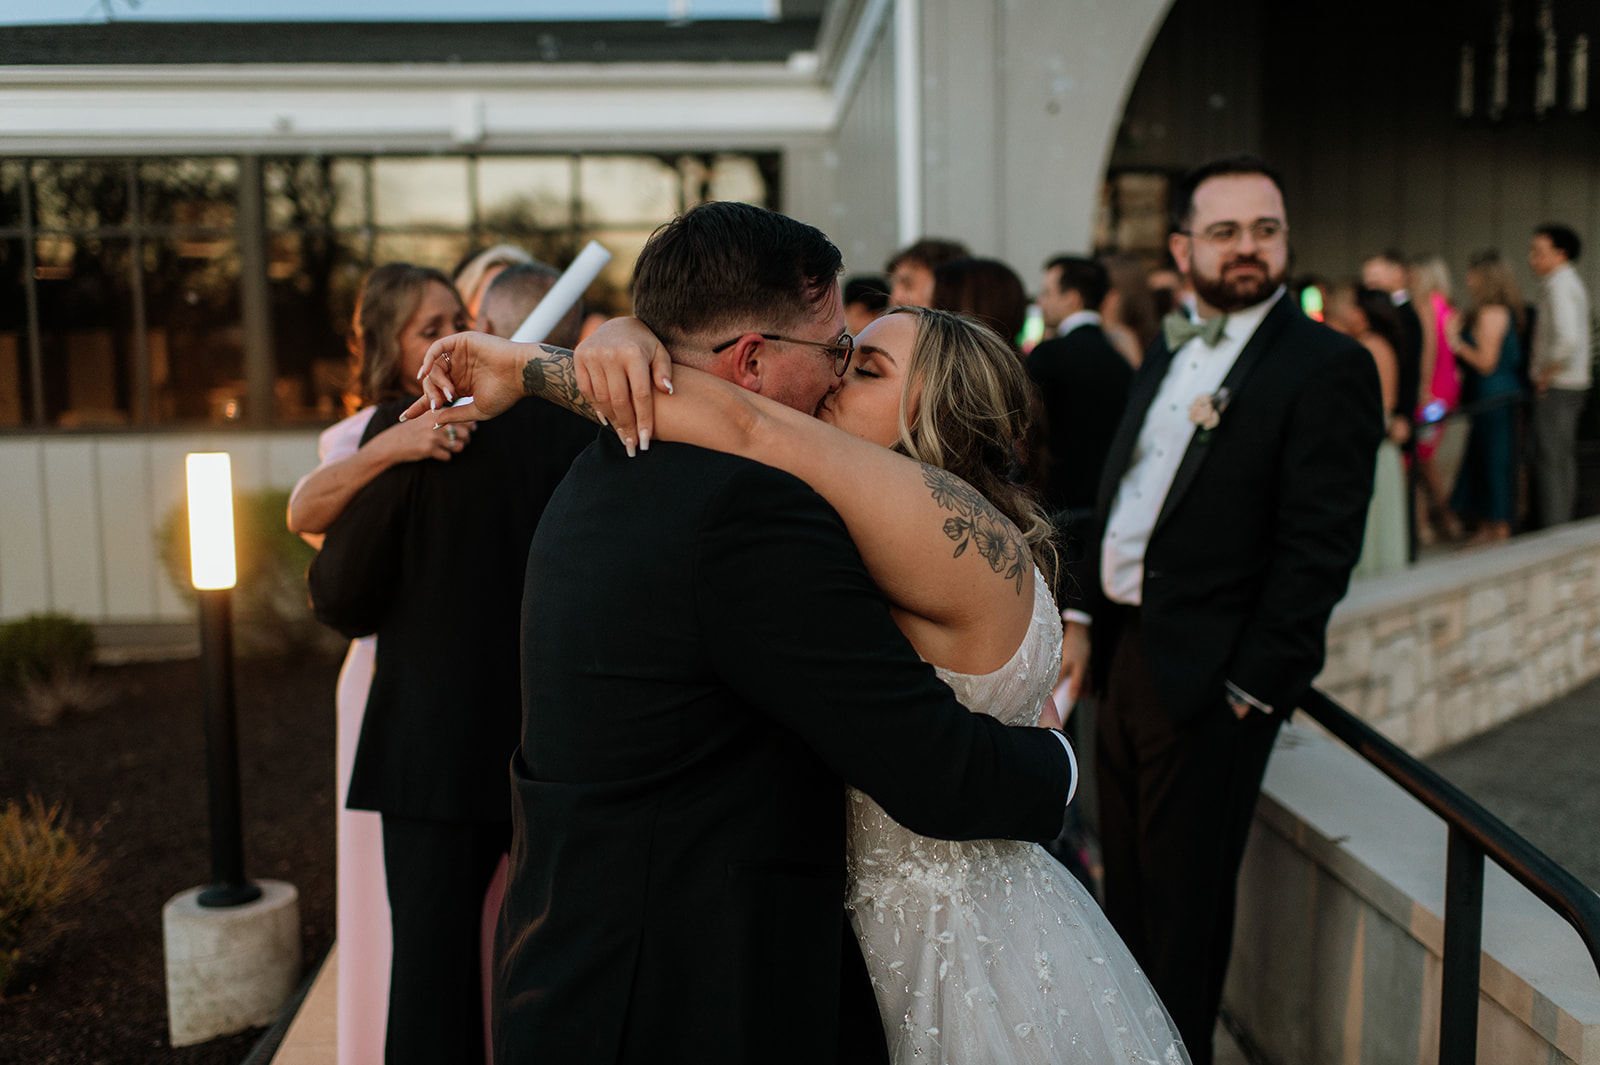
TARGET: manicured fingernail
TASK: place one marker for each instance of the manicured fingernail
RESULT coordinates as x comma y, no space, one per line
632,451
433,404
666,386
402,417
644,440
436,425
421,373
451,396
602,418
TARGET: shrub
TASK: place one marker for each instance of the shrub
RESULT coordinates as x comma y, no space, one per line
43,868
270,596
43,700
44,645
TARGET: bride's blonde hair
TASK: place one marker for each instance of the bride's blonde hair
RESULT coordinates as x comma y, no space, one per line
964,408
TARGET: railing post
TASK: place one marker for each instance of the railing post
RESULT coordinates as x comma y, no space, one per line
1463,948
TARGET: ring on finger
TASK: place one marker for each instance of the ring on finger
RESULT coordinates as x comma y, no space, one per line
450,433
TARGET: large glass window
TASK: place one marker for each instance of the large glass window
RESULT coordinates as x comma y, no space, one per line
123,281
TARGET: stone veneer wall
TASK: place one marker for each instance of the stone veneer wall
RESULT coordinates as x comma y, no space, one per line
1458,644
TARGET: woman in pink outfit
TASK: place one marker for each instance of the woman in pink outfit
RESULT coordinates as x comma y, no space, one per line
1441,439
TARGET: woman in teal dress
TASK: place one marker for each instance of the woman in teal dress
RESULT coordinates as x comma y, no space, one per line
1491,357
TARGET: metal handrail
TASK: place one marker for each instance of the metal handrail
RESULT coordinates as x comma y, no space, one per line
1474,834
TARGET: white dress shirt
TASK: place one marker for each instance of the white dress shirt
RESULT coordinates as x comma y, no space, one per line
1561,330
1196,370
1076,319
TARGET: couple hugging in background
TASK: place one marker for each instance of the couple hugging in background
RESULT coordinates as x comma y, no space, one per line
807,567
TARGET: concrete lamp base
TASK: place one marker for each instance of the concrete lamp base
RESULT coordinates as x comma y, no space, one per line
229,968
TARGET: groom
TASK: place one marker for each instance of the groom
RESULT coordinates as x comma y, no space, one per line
706,664
1232,509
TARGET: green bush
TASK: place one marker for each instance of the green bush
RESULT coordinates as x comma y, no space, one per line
43,868
269,598
40,646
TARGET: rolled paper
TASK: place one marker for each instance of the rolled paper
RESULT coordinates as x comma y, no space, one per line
563,294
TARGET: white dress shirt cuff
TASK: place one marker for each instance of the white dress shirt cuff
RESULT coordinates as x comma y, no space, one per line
1071,759
1077,615
1239,695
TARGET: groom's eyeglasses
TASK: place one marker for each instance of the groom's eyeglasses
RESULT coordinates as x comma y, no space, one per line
839,350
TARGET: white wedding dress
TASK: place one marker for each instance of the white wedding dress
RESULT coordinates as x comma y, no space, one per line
991,951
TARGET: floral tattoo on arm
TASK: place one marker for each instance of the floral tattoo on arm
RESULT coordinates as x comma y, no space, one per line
978,522
550,376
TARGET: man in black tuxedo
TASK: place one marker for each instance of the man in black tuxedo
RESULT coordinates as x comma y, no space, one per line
1083,381
429,556
1233,506
706,664
1387,272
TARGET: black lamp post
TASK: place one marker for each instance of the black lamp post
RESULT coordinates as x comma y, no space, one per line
212,569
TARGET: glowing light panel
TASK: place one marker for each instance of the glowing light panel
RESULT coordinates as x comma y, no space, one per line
211,562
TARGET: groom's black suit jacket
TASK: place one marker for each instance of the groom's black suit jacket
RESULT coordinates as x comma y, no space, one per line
1262,525
706,663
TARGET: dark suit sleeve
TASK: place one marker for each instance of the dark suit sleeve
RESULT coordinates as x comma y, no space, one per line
798,629
358,569
1325,485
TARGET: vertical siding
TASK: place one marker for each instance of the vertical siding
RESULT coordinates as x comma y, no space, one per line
78,531
862,211
71,509
963,156
24,541
128,530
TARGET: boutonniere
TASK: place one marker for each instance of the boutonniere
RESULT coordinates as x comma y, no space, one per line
1205,413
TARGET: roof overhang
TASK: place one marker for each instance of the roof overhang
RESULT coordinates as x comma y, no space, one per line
537,104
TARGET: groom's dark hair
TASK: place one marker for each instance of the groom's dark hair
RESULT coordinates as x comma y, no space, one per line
726,266
1183,195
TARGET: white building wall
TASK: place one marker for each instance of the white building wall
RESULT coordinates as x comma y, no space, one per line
1021,103
78,529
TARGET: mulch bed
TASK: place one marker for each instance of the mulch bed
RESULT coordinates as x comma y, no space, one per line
137,770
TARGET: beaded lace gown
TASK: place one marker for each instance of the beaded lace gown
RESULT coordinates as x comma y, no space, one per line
990,951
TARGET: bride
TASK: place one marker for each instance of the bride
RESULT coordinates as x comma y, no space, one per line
979,952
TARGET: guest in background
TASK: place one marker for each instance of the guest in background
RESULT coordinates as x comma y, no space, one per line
991,292
513,295
401,310
1559,368
1486,344
911,270
1128,311
1083,380
435,744
986,289
1169,289
1386,272
1368,316
474,275
1440,439
866,296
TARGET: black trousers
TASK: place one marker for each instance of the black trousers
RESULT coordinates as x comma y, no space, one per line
438,872
1176,802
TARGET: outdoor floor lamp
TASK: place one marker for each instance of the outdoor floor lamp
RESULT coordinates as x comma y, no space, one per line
213,571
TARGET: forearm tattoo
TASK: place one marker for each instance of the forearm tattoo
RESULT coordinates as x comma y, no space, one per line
552,377
978,522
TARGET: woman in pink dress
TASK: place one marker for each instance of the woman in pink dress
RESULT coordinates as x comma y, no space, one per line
1441,439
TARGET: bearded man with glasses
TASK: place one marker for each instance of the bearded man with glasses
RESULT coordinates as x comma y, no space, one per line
1229,517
